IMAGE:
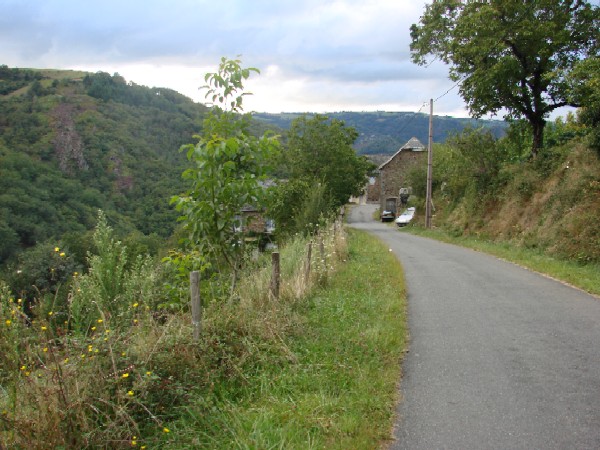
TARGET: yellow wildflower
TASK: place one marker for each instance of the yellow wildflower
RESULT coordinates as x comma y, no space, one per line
56,249
45,349
166,430
135,305
8,322
130,393
62,254
44,328
125,375
100,321
50,313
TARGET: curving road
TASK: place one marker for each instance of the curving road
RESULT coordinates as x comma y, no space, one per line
500,357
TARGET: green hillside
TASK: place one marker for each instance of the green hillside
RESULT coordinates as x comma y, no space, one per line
385,132
72,143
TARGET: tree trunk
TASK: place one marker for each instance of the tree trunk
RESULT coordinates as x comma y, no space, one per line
537,127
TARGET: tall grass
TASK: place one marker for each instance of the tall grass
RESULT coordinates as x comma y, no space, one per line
324,371
82,374
109,371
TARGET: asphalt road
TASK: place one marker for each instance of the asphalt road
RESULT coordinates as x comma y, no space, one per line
499,357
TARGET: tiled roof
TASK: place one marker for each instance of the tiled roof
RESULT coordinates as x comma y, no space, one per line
413,145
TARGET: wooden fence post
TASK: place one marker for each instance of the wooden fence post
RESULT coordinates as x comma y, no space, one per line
275,275
322,249
196,304
308,261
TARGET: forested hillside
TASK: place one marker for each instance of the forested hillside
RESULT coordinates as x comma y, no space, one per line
72,143
385,132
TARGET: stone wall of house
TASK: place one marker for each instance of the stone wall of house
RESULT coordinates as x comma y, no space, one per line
373,191
394,175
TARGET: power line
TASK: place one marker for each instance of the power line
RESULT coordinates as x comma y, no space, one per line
449,90
407,123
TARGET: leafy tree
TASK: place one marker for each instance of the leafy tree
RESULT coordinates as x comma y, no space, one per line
320,151
475,160
586,81
228,167
510,55
299,206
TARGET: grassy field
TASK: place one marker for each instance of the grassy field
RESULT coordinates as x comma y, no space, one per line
338,387
582,276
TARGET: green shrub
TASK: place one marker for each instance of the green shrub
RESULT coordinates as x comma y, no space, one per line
113,287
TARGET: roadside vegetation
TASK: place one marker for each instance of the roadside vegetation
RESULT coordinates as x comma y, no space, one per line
582,276
316,368
540,213
100,351
532,196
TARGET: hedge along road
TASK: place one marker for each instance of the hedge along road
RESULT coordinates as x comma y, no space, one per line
499,357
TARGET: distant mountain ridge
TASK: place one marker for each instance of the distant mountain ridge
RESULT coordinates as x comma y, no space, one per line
385,132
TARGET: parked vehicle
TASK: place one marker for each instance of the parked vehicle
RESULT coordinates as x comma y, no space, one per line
405,218
388,214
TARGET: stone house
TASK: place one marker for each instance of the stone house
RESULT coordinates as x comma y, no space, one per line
392,174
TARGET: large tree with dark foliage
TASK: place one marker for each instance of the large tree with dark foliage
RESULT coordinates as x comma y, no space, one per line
508,54
320,150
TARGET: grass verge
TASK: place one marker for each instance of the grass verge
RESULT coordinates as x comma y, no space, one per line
582,276
316,367
338,387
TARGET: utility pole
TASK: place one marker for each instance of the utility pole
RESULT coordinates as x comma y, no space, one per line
429,168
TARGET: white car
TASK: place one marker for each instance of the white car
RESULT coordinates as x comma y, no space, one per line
405,218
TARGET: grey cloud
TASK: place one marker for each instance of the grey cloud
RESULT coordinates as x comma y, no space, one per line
130,31
326,43
370,70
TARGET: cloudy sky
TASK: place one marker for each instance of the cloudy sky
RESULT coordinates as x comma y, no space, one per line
314,55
